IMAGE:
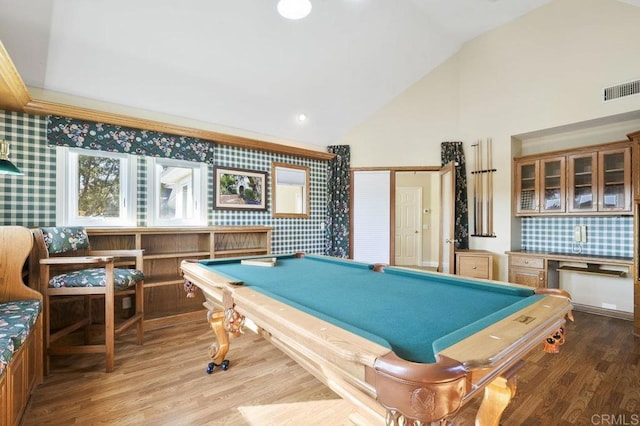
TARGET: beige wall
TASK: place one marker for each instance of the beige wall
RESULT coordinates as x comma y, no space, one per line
542,71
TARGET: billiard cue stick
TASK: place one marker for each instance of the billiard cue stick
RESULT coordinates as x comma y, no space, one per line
474,172
480,191
490,186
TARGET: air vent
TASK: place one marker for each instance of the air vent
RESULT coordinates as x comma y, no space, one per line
621,90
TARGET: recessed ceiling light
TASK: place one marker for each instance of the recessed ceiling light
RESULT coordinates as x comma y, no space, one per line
294,9
301,117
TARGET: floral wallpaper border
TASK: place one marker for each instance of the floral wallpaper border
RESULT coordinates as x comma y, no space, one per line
64,131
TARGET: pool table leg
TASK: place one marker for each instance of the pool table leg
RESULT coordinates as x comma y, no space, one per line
497,396
218,349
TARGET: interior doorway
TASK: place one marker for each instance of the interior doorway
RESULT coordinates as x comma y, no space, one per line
417,216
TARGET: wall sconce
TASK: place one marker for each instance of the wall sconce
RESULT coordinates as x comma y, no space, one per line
294,9
6,166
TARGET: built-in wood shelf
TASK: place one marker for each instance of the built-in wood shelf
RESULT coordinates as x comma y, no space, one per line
164,250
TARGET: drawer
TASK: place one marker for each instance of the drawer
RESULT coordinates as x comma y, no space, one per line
526,261
474,266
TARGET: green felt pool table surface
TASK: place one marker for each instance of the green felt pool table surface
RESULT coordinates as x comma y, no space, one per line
390,308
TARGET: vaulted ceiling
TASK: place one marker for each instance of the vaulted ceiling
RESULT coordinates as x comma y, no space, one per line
237,63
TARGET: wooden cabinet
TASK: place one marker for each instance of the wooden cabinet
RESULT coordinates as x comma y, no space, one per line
590,180
600,181
583,189
527,181
614,180
635,157
540,186
164,250
474,263
635,154
527,270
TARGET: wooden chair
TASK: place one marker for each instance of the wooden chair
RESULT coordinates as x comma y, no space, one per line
62,266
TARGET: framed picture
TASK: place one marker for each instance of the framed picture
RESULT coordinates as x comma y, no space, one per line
238,189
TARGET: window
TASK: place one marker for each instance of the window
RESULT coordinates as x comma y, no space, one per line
177,192
96,188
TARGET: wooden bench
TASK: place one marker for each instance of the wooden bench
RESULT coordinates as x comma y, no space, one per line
20,326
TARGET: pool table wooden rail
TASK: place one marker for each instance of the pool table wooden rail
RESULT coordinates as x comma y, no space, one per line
384,388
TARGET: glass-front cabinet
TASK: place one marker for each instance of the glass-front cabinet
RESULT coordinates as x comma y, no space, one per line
615,180
600,181
593,180
583,189
553,191
527,178
540,186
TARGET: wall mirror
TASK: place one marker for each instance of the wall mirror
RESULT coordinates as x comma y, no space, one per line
289,190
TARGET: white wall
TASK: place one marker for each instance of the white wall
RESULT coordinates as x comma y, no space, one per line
541,71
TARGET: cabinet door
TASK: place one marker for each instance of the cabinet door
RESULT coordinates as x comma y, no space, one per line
614,189
553,186
583,189
527,184
635,169
525,276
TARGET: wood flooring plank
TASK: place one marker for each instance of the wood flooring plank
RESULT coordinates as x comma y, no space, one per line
164,382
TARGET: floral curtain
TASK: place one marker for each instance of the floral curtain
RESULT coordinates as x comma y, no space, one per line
338,187
452,151
63,131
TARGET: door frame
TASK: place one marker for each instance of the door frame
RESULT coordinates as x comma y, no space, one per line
392,201
449,168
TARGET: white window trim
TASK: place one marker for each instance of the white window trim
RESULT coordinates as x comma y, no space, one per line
66,172
199,193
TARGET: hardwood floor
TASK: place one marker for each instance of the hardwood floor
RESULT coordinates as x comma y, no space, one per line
595,380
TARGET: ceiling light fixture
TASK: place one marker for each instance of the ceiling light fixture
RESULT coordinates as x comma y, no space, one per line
302,117
6,166
294,9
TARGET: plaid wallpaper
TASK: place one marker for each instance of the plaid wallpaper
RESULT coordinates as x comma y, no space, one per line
606,235
288,234
30,200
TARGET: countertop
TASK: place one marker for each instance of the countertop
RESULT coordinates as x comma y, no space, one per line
575,257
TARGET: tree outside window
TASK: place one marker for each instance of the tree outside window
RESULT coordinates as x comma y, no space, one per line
95,188
98,186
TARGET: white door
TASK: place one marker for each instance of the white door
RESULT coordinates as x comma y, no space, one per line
371,216
408,227
446,255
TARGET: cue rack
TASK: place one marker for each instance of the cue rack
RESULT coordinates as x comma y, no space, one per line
483,189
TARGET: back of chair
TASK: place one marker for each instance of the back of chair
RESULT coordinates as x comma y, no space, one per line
65,239
53,242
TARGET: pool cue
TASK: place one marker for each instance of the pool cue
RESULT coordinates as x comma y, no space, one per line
490,186
475,188
480,191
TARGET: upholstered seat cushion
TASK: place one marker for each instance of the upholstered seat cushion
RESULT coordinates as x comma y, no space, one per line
6,353
16,320
25,309
96,277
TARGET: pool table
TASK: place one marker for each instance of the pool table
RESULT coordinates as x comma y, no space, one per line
405,346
